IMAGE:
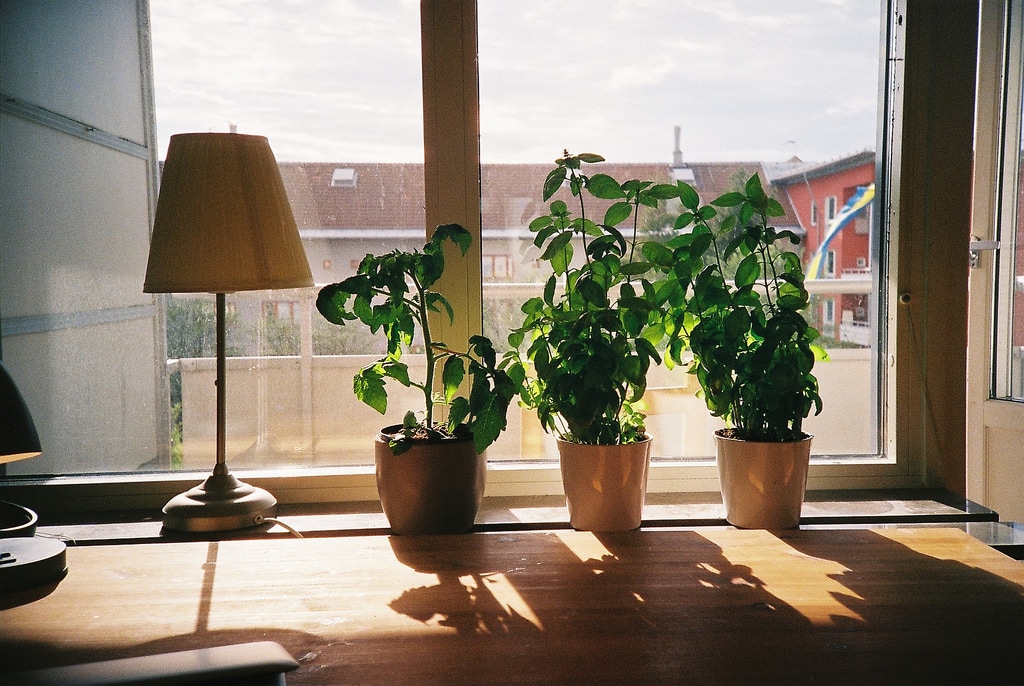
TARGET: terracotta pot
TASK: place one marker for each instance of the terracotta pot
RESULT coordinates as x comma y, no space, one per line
432,488
762,483
605,485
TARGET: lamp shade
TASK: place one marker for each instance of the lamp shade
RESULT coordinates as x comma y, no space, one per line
223,222
18,437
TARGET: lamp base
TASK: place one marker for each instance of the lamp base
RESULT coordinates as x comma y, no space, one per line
220,503
27,562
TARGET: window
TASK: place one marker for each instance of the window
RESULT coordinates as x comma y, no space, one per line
388,161
1009,349
640,106
344,178
830,208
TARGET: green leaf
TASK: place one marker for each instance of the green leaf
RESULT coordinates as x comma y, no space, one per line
561,260
455,233
489,424
457,412
753,187
683,220
688,196
657,253
746,212
605,187
728,200
433,299
396,370
589,157
663,191
736,323
368,386
635,268
541,222
775,209
549,290
556,245
618,213
555,179
748,270
452,374
592,292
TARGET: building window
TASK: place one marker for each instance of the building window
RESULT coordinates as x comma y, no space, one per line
344,178
830,208
287,310
814,213
496,267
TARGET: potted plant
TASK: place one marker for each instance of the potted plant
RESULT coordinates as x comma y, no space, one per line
582,353
753,349
431,469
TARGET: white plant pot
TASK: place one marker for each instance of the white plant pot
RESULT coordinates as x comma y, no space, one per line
605,485
762,484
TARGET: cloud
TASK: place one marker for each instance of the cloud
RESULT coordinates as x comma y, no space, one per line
340,81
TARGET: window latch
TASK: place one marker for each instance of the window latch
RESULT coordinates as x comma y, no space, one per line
976,248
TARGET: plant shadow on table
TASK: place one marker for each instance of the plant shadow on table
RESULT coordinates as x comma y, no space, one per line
589,608
941,621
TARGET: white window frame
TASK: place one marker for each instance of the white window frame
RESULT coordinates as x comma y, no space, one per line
829,315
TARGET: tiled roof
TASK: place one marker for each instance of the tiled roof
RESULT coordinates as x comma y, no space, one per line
384,195
390,195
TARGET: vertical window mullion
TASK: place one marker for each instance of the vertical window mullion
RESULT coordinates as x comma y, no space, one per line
451,132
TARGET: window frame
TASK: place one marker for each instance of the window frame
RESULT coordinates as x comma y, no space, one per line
452,171
831,207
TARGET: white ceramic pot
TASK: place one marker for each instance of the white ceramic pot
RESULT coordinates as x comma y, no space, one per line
762,483
605,485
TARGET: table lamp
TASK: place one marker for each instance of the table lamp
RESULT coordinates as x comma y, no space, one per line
223,224
25,561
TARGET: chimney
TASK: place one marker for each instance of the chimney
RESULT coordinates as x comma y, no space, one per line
677,154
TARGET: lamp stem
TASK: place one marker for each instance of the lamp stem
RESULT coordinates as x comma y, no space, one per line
221,466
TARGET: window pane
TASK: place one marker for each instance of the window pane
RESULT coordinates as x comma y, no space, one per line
336,89
1009,363
709,93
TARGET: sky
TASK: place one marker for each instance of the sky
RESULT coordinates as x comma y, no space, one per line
339,81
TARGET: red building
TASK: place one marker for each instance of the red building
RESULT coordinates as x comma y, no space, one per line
837,250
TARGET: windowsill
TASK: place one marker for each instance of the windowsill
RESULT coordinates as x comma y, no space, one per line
822,509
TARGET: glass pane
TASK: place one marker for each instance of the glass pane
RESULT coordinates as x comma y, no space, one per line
709,93
336,89
1009,352
1016,384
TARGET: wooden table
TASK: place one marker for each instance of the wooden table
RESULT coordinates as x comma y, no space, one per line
709,606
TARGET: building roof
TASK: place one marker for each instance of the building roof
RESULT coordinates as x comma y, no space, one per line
806,172
357,196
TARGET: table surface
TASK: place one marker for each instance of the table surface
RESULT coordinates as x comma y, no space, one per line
709,606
